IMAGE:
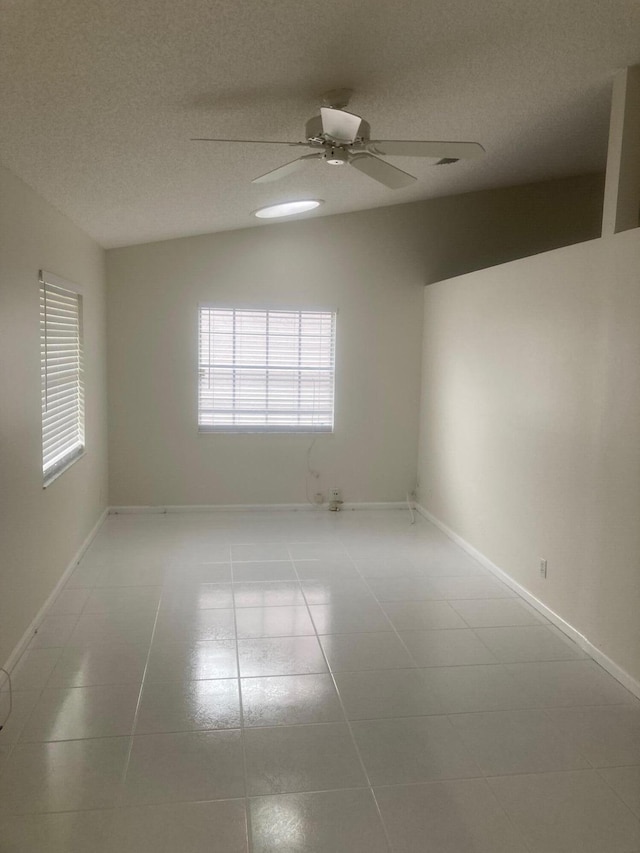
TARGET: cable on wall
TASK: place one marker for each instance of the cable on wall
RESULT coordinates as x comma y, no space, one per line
310,471
6,719
412,515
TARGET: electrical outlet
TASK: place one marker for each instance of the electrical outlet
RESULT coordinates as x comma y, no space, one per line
543,568
335,494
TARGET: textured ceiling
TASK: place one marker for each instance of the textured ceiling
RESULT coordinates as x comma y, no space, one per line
98,99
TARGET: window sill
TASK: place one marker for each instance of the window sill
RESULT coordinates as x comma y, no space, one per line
51,478
258,431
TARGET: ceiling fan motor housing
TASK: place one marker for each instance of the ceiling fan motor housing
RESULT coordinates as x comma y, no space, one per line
314,133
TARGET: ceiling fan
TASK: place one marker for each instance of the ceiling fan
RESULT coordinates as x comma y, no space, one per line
340,138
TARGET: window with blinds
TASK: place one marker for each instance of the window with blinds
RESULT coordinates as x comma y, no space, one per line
266,371
61,375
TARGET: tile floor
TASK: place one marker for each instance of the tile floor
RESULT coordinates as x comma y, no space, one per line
308,683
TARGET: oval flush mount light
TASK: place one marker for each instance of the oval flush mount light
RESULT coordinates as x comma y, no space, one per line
287,208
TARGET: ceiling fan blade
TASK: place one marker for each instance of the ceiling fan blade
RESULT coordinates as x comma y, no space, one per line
287,169
407,148
340,125
252,141
382,172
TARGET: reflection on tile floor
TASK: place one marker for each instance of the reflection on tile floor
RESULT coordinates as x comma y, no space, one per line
308,683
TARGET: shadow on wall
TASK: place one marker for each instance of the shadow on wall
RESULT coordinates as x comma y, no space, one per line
496,226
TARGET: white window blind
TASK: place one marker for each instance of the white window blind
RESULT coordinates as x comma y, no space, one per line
266,371
61,375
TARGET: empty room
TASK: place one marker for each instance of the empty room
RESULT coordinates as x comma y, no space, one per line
319,418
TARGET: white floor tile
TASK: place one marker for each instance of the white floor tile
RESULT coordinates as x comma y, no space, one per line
326,822
131,574
374,694
404,589
54,631
625,781
497,612
451,817
334,591
33,669
349,617
92,665
559,683
122,598
607,736
422,615
270,594
517,742
210,827
14,715
572,812
446,648
280,656
349,652
69,601
82,712
169,768
85,576
413,749
115,629
205,596
197,573
65,832
528,643
326,570
472,587
200,625
479,688
392,566
290,700
144,636
301,758
253,622
183,706
190,661
273,570
317,551
260,552
63,776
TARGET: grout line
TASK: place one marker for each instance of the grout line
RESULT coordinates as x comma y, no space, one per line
349,726
400,716
612,789
247,809
137,710
348,722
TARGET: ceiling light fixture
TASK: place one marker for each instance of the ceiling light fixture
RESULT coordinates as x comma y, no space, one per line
287,208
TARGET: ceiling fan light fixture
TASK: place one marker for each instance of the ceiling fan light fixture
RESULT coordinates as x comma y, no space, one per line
287,208
337,157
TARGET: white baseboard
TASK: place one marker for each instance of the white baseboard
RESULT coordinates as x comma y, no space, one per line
162,510
621,675
35,623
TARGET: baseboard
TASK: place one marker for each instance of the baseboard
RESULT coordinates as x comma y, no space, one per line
621,675
161,510
28,634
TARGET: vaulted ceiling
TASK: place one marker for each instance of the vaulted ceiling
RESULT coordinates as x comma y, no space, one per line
99,99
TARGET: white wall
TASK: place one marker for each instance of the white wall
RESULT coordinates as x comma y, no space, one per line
369,272
370,266
41,530
530,425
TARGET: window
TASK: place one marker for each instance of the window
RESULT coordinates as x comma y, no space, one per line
266,371
61,375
